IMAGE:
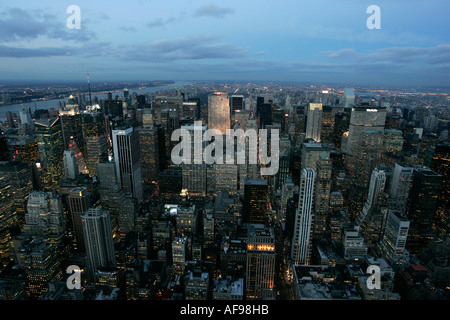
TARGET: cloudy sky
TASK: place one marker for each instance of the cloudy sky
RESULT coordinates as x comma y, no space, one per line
321,41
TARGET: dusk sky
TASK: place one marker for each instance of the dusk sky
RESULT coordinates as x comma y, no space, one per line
320,41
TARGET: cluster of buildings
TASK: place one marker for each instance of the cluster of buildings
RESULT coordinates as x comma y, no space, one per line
363,180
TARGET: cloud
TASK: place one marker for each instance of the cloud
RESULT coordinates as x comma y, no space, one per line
87,50
212,10
155,23
17,24
193,48
395,55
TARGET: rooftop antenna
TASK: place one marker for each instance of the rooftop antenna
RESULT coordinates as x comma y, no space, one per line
89,86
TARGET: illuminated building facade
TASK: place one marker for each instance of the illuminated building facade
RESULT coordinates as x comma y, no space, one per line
260,273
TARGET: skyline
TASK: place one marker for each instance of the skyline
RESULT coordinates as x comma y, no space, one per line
320,42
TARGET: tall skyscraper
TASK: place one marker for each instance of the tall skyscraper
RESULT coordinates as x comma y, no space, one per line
363,118
194,175
441,165
311,152
79,200
70,165
237,102
152,150
127,160
20,178
260,273
255,201
51,149
98,239
421,207
302,238
95,136
219,111
314,121
368,156
322,195
373,214
400,186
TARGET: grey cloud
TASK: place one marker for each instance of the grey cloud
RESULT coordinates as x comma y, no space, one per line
212,10
162,22
20,24
395,55
195,48
88,50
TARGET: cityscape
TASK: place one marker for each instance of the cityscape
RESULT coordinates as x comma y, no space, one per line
190,189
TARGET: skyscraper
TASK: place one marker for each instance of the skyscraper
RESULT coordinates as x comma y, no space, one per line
255,201
98,238
421,207
20,178
127,160
441,165
392,245
219,111
45,217
260,273
322,195
95,136
314,121
79,200
194,174
302,237
70,165
152,150
51,149
400,186
363,118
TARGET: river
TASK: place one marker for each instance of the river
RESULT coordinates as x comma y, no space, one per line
48,104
